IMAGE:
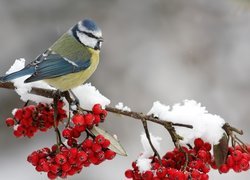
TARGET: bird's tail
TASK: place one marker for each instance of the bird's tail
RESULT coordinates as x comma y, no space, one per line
22,72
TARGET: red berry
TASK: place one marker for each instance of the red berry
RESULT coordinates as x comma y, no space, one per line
230,161
87,143
224,168
129,174
86,163
161,172
73,152
198,143
93,159
51,175
54,168
237,155
82,156
109,154
147,175
89,119
66,133
195,174
96,147
72,160
103,114
205,168
60,159
54,148
100,155
72,142
66,167
204,177
179,175
44,166
78,120
97,109
17,133
246,156
97,119
10,122
75,133
202,155
237,168
18,114
213,164
99,139
27,113
207,146
244,164
80,129
33,158
106,143
169,155
72,171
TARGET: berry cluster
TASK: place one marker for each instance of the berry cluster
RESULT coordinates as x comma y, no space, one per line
29,119
181,164
237,159
68,159
62,161
82,123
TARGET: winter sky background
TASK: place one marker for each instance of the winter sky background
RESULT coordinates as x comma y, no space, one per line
167,50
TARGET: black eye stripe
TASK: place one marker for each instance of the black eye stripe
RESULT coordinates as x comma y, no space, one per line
88,34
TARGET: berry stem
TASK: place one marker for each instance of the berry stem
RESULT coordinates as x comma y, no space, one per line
57,131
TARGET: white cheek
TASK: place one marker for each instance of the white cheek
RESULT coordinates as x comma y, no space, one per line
86,40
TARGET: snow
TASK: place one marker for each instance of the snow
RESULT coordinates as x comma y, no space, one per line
144,161
148,152
205,125
121,106
143,164
87,94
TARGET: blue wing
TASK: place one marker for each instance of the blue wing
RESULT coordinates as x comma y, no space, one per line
53,65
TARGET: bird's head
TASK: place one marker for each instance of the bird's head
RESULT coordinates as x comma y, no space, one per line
88,34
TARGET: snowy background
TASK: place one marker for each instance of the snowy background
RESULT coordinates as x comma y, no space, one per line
167,50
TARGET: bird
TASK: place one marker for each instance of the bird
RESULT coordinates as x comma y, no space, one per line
69,62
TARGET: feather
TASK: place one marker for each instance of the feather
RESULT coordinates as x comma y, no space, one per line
25,71
54,65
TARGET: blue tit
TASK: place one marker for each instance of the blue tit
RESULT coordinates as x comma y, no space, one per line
69,62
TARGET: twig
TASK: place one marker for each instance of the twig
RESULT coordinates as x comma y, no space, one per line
145,126
140,116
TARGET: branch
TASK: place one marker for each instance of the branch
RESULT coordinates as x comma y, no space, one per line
135,115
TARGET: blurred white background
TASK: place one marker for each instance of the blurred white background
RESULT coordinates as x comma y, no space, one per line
167,50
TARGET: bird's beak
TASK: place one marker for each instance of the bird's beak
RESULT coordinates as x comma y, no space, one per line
99,44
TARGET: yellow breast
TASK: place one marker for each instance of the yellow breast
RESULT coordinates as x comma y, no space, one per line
72,80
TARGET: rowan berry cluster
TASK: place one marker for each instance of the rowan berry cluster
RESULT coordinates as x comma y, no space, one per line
29,119
238,160
62,161
181,163
81,122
